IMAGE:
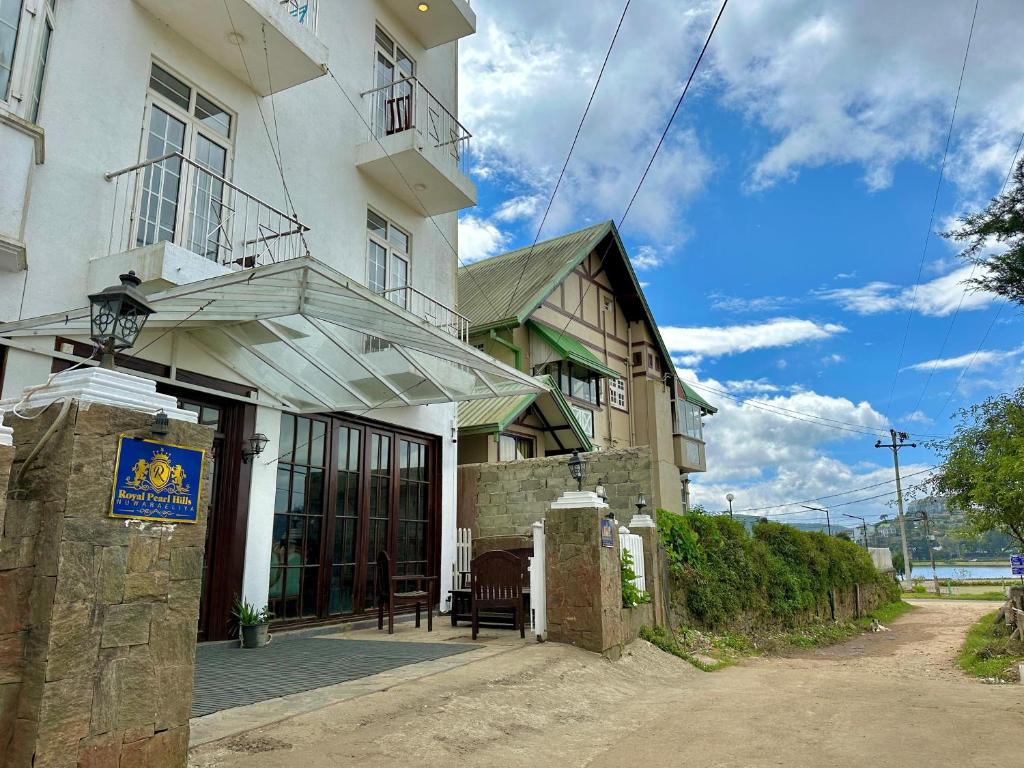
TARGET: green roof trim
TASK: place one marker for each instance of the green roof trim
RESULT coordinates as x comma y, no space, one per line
493,415
693,397
570,349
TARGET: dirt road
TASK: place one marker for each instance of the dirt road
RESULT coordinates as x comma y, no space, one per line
887,699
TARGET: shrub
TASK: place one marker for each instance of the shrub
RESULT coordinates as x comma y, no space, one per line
778,572
632,595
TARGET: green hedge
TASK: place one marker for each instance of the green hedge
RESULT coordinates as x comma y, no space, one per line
779,573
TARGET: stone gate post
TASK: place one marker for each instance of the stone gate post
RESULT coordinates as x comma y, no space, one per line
98,615
584,588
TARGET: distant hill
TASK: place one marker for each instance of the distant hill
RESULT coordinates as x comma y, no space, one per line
750,520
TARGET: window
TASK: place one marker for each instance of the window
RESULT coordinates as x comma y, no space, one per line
41,56
688,420
617,393
387,259
585,417
392,108
184,197
574,380
10,21
514,447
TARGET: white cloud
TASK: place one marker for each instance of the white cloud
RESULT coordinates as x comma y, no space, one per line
981,359
646,257
712,341
916,417
726,303
479,239
518,208
753,386
833,359
936,298
767,458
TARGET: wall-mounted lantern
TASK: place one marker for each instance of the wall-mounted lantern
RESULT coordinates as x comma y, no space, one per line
257,443
116,316
577,468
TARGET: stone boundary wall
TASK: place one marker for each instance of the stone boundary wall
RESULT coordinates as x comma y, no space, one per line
98,616
505,499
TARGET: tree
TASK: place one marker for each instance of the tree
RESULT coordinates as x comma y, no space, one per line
1001,224
897,563
982,471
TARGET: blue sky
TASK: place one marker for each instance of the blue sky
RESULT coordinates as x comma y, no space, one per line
780,233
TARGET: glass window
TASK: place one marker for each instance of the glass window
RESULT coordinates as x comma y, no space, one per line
585,417
212,116
617,393
376,268
387,270
10,20
514,447
170,87
41,57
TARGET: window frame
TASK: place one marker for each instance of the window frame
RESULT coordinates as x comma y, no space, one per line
518,440
47,27
617,397
392,253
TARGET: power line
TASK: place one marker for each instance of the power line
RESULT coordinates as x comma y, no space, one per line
565,165
931,217
952,322
967,367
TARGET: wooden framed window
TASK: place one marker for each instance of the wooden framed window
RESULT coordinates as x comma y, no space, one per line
513,447
617,393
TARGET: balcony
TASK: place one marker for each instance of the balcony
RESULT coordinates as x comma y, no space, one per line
434,312
176,222
442,22
416,148
689,453
231,32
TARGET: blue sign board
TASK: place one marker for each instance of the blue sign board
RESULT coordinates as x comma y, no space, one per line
607,532
156,481
1017,565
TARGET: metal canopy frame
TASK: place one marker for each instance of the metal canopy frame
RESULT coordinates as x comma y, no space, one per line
295,329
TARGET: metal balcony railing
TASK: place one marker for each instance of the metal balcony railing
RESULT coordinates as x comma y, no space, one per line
431,310
174,199
407,105
304,11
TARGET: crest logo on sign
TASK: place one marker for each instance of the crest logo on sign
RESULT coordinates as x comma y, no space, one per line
156,481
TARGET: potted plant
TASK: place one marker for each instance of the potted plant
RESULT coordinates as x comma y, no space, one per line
253,623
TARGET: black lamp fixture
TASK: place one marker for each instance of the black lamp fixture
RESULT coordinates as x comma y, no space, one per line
116,316
160,425
640,503
577,468
257,442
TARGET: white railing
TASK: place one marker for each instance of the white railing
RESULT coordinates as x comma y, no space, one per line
634,544
174,199
538,583
434,312
406,105
304,11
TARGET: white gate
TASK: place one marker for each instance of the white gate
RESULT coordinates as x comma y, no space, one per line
634,544
463,556
538,582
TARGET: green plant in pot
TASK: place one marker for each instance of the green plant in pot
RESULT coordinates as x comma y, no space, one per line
253,623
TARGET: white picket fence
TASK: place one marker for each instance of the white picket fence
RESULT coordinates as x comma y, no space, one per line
538,584
634,544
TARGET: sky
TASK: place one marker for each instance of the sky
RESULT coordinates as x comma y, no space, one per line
785,237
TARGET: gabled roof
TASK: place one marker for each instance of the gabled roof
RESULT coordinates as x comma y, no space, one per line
493,415
492,293
691,396
569,349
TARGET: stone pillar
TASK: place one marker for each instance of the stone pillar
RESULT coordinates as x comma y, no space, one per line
98,615
584,587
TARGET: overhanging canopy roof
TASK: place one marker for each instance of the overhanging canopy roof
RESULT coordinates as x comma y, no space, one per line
315,340
568,348
563,431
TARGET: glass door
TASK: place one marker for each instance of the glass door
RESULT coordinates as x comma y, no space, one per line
345,563
378,513
161,183
412,514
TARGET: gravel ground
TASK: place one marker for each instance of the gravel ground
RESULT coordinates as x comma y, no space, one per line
886,699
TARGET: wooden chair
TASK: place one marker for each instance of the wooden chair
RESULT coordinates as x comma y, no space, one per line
387,594
497,584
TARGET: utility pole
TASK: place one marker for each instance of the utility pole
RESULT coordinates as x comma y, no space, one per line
863,525
828,520
931,551
899,440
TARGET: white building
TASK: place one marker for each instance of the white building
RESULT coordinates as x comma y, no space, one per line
284,176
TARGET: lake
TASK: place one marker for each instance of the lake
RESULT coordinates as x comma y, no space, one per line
924,571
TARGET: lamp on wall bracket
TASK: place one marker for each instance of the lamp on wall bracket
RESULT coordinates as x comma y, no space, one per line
160,425
256,443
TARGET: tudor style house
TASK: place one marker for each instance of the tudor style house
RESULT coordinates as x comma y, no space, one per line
571,311
284,177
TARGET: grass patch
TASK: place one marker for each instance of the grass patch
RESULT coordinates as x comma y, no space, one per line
888,612
989,653
993,595
667,641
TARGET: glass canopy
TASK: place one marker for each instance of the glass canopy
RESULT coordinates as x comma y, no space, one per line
313,339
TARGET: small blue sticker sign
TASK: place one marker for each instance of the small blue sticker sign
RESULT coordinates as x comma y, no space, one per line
607,532
1017,565
156,481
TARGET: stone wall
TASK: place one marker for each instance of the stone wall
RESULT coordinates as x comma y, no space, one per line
505,499
98,616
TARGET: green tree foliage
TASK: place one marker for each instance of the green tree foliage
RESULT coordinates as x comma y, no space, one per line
632,595
778,572
1001,224
982,473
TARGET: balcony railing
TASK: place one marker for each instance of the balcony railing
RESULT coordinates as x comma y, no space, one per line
304,11
174,199
407,105
431,310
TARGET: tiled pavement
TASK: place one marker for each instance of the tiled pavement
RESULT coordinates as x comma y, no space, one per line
227,676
